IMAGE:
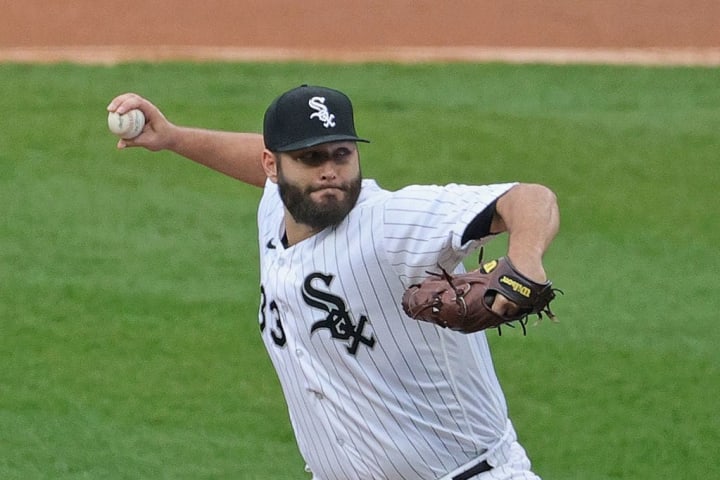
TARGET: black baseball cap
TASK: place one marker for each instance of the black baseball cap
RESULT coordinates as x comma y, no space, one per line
307,116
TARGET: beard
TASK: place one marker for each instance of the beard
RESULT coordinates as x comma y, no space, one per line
318,214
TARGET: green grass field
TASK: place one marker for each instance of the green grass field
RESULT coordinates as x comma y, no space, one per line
129,280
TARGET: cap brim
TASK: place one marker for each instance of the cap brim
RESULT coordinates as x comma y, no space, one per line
311,142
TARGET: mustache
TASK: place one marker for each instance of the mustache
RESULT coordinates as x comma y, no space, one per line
342,186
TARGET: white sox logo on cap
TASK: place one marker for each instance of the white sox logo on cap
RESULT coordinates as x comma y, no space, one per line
321,112
307,116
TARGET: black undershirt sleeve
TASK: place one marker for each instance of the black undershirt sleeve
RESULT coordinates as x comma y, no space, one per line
479,227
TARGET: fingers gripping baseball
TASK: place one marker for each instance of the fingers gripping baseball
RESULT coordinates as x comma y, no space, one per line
156,131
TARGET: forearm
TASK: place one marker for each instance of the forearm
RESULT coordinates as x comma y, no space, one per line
237,155
530,215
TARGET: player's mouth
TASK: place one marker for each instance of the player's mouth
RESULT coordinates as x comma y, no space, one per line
328,190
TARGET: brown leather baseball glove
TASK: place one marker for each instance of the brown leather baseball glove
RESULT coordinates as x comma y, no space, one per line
463,302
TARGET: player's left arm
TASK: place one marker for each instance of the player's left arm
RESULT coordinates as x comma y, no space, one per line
530,215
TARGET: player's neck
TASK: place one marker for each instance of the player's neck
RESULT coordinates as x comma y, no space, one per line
297,232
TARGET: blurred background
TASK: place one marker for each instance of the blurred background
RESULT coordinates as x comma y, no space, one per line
668,30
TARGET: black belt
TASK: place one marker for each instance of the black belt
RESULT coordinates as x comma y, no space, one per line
472,471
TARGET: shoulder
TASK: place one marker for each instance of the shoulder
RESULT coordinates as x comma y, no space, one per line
270,200
409,203
453,195
371,194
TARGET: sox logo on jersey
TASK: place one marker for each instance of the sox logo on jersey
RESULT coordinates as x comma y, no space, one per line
339,320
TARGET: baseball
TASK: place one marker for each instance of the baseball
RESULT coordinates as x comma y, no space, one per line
128,125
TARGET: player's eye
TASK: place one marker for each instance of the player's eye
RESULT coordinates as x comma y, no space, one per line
313,158
341,153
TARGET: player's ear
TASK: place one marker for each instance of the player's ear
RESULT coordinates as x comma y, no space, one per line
269,163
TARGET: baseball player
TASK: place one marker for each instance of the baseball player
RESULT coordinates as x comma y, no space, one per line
371,393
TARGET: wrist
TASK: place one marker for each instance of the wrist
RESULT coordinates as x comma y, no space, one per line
529,263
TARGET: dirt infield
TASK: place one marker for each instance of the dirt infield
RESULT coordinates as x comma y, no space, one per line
615,31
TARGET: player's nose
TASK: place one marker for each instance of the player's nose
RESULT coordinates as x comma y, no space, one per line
328,171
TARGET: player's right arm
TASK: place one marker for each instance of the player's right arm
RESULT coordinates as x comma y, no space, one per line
235,154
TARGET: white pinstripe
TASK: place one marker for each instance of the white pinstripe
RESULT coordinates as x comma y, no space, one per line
399,399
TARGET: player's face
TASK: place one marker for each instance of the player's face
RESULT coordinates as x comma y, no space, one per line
320,185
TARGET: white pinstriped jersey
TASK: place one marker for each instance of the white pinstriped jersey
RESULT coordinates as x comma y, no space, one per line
371,393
